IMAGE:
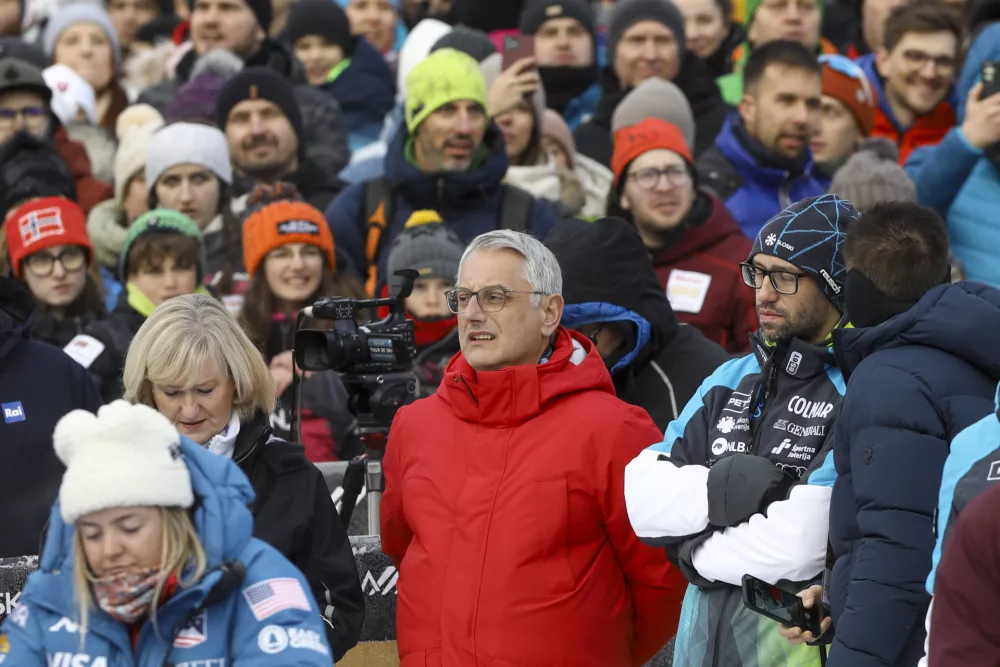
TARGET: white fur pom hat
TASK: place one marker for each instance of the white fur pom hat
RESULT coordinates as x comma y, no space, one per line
126,456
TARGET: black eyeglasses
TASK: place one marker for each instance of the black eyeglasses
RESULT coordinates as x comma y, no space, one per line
42,263
647,179
783,282
491,299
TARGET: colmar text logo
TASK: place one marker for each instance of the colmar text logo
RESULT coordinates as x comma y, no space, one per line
809,409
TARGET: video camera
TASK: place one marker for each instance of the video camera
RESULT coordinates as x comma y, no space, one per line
375,361
375,358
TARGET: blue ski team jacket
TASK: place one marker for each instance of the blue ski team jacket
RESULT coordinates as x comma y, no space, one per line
193,631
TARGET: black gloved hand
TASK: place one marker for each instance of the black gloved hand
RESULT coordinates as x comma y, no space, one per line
742,485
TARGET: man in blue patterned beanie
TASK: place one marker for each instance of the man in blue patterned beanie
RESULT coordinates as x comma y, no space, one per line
797,259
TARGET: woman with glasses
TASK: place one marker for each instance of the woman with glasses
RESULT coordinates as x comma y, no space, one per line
51,254
289,254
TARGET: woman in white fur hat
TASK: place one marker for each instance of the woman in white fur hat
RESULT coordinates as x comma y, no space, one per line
149,559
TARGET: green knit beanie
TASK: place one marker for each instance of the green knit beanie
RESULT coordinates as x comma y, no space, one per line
161,221
444,77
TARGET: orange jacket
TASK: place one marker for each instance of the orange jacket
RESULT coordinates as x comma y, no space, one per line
924,131
504,510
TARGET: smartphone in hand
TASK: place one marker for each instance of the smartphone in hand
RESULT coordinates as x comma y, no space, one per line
780,604
517,47
991,79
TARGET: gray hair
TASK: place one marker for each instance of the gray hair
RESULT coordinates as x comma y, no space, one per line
541,268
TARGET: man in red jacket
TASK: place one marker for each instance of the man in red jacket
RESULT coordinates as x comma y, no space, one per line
504,505
695,244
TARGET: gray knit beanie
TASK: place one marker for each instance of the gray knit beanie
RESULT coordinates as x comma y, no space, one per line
79,12
655,98
426,245
627,13
188,143
873,175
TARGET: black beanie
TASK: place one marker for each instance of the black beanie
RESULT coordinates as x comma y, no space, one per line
474,43
160,29
259,83
32,168
323,18
260,8
627,13
538,12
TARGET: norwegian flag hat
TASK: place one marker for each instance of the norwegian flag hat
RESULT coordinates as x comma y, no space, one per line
43,223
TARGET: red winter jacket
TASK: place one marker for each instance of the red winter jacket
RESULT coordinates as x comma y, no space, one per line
504,511
701,275
89,191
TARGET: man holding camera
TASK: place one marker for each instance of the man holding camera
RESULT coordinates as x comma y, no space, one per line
741,483
503,506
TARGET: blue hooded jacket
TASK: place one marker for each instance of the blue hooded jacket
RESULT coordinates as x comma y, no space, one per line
752,192
972,467
211,623
960,182
914,383
468,201
366,92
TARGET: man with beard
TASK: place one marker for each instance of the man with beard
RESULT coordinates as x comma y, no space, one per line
258,111
913,75
761,160
742,482
241,26
646,39
449,157
566,56
847,113
693,241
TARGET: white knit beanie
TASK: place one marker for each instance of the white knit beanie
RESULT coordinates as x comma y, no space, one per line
65,17
188,143
125,456
134,129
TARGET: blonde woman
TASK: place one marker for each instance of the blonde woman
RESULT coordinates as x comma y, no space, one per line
192,362
149,559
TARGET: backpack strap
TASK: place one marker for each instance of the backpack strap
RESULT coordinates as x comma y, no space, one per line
378,212
515,209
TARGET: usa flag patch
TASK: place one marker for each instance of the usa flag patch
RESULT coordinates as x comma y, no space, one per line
194,633
273,595
36,225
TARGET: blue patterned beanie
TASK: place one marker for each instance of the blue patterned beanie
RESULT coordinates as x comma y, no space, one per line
810,234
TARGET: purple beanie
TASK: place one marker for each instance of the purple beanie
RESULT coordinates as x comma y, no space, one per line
195,100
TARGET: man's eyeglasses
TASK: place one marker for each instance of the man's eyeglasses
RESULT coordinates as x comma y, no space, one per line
917,59
32,115
783,282
42,263
491,299
647,179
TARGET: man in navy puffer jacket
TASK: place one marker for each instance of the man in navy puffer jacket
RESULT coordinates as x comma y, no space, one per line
921,366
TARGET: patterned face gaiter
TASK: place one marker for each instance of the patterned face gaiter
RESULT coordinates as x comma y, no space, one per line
128,596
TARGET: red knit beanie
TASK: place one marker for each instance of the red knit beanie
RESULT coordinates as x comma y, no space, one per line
651,134
44,223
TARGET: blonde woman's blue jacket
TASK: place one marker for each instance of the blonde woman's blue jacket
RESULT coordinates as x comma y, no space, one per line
210,624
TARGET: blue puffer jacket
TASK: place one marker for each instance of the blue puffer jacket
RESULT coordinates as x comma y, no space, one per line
960,182
197,631
753,193
468,201
972,467
914,383
366,92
